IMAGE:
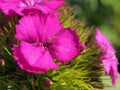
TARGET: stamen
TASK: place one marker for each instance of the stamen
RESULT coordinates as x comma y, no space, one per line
48,41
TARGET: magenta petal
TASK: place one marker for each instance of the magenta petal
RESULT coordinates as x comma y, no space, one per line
114,73
49,27
106,65
50,6
37,61
39,58
103,42
38,28
8,5
26,30
65,46
110,66
22,61
53,4
109,59
18,6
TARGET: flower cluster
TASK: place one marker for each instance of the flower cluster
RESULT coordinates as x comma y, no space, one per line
41,36
43,42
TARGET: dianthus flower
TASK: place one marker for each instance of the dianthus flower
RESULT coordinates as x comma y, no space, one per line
109,59
43,39
22,7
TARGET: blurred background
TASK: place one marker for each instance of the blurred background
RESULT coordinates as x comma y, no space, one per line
104,14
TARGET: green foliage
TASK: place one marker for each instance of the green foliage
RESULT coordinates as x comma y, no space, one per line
92,12
115,4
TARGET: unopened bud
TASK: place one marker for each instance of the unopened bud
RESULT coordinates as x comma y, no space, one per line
47,83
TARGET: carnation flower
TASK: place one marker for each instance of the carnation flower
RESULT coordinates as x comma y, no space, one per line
109,59
22,7
43,39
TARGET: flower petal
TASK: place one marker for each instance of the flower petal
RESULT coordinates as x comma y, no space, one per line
50,6
38,28
114,73
110,67
49,28
27,28
109,58
39,59
53,4
20,6
107,65
65,46
103,42
23,63
8,5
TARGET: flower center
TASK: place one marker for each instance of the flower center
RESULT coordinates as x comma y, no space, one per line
44,45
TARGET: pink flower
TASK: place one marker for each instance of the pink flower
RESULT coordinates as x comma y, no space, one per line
22,7
41,40
109,59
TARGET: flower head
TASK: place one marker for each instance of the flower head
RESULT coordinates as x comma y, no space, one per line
109,59
42,39
22,7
